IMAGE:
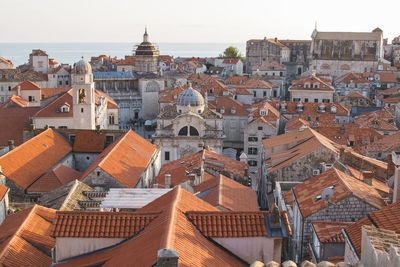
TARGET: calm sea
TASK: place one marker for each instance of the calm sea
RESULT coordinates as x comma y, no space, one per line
70,53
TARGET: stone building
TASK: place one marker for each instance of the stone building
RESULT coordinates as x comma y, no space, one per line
311,89
352,82
5,63
146,56
188,127
349,200
336,53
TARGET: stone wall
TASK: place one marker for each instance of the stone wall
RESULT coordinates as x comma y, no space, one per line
99,179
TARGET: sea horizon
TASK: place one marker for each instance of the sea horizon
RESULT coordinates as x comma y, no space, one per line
71,52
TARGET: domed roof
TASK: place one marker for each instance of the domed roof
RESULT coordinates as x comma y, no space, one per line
146,48
190,96
83,67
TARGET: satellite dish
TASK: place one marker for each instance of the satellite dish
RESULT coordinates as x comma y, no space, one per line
327,193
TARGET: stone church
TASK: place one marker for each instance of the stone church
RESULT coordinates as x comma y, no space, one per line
188,127
337,53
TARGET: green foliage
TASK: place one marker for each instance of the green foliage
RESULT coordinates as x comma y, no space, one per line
231,52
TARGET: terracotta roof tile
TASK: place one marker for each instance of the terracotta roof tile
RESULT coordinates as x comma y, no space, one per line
19,246
49,92
15,101
288,197
227,193
236,80
180,168
329,231
89,141
99,224
171,229
231,106
300,84
125,159
27,85
344,185
230,224
59,176
3,191
26,163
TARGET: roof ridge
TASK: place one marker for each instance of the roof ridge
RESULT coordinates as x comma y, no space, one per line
168,240
342,181
48,105
220,190
70,192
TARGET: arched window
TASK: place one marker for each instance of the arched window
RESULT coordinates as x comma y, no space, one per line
193,131
183,131
81,96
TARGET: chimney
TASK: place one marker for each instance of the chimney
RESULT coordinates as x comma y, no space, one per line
98,129
10,145
367,177
275,217
167,258
46,127
192,179
19,90
276,39
396,185
167,180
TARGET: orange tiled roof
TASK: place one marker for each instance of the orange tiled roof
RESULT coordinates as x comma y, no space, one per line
329,231
345,185
125,159
3,191
311,109
89,141
386,143
27,85
49,92
180,168
387,218
26,163
230,224
171,229
288,197
128,60
224,192
17,100
53,179
99,224
352,77
259,84
25,238
323,85
172,95
53,109
355,94
236,80
231,106
6,61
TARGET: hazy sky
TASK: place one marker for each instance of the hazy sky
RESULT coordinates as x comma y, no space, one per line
211,21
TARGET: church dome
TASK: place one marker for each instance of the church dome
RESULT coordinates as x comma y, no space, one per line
190,96
82,67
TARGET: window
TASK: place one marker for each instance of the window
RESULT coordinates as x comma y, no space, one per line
183,131
260,128
62,127
252,151
252,163
31,98
253,138
72,138
111,120
193,131
254,93
9,88
315,100
60,83
81,110
306,100
109,140
264,93
166,155
281,73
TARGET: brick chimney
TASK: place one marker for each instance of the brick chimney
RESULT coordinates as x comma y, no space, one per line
167,180
167,258
10,145
368,176
396,184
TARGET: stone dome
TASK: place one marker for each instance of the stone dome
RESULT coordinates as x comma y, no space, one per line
83,67
190,96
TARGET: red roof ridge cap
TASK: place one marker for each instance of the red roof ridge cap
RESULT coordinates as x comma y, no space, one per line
48,105
168,240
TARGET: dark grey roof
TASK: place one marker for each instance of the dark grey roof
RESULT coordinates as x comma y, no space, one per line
113,75
190,96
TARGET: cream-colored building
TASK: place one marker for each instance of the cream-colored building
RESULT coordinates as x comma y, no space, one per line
311,89
82,107
188,127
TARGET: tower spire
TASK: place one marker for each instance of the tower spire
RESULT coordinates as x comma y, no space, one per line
145,35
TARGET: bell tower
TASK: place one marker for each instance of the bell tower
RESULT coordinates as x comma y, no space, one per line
83,95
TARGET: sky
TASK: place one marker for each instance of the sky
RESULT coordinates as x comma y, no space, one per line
189,21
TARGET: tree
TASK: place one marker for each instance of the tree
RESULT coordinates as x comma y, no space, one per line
231,52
